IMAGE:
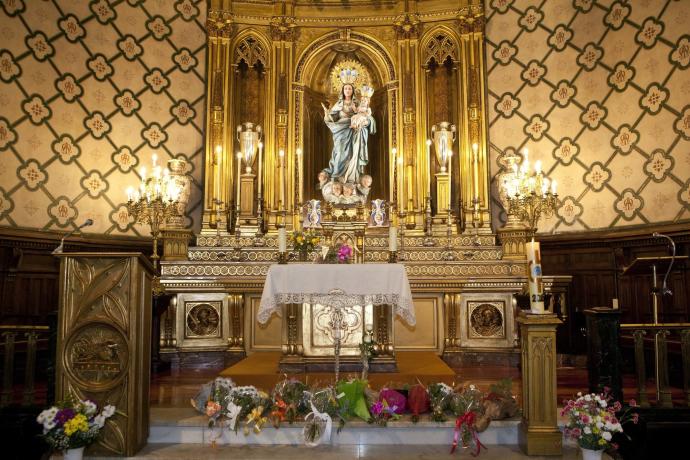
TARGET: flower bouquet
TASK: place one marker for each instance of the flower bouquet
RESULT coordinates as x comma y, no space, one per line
340,254
593,420
73,424
304,242
467,406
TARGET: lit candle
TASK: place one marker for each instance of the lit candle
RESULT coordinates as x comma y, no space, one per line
392,238
536,289
450,181
475,170
130,193
216,175
553,187
239,173
428,156
282,239
281,156
154,158
299,175
260,171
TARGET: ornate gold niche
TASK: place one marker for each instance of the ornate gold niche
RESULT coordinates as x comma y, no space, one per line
269,64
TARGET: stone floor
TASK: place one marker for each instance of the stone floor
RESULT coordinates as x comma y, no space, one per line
202,452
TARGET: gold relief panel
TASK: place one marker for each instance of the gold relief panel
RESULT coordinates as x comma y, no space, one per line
96,356
318,325
486,320
204,322
203,319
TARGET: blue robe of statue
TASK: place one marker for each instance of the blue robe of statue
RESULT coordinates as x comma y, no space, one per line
350,154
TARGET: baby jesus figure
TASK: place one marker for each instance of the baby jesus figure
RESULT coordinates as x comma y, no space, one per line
361,118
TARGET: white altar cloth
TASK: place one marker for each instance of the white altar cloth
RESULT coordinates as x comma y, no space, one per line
341,284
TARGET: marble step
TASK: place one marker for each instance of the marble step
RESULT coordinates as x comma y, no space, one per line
185,426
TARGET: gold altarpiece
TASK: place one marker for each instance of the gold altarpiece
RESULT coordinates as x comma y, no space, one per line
269,64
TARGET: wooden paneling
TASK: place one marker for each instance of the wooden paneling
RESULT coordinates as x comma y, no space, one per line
596,261
29,272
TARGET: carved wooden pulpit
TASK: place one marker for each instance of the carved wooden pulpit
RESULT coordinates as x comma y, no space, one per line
104,342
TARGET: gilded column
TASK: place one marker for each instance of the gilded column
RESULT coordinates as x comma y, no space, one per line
283,34
218,177
475,188
538,431
406,28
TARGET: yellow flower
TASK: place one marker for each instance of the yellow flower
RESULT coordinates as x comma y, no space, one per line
77,423
602,441
300,239
314,240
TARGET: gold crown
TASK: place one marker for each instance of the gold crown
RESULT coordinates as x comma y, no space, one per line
348,76
366,91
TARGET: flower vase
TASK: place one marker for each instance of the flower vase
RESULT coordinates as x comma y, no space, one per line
303,255
74,454
590,454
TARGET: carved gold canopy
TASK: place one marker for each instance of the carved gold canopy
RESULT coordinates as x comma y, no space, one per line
272,63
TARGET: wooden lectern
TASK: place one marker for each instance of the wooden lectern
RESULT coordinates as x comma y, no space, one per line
104,342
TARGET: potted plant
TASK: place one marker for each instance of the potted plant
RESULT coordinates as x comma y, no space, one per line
72,425
593,420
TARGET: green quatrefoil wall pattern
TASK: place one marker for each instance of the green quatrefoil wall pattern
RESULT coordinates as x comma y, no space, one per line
89,91
599,91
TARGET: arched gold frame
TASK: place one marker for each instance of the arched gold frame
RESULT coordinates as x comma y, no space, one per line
380,56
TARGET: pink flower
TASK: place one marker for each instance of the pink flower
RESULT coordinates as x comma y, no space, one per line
576,433
212,408
635,418
585,418
633,403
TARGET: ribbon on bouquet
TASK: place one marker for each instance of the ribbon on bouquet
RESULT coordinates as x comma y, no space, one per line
467,419
233,413
255,416
317,418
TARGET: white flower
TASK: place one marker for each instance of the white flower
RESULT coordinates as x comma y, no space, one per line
579,394
108,411
602,403
600,425
588,397
472,387
588,430
606,435
99,420
89,408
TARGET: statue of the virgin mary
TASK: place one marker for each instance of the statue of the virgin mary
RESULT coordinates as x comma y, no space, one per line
350,122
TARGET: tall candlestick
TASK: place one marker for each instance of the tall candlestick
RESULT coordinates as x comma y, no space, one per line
450,182
299,175
260,172
239,173
392,238
536,288
281,166
216,175
394,163
428,156
475,171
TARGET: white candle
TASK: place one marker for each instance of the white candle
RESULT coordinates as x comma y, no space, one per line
130,193
450,182
392,238
281,156
216,175
553,187
536,288
475,170
239,173
428,156
282,240
260,171
299,175
154,158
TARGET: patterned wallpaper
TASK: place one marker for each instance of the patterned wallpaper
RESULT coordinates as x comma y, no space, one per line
89,91
599,91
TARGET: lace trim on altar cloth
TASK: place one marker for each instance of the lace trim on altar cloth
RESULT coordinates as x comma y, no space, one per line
402,306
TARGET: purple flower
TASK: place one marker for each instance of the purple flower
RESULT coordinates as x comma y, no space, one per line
344,253
377,408
64,415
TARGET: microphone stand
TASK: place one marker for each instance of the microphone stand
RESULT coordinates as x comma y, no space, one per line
59,249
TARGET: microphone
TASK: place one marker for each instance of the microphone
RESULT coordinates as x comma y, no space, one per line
664,288
58,250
